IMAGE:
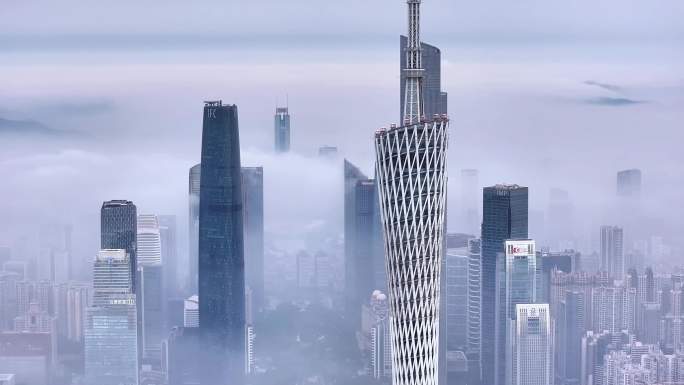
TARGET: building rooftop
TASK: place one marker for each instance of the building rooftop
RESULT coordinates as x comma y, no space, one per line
116,202
114,254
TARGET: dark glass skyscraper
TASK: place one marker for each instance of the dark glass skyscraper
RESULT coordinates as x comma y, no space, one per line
221,258
355,295
119,229
363,247
435,101
504,216
282,129
253,202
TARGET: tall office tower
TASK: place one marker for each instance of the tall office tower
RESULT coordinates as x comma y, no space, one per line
533,346
253,207
111,355
149,248
221,252
118,229
169,251
111,329
151,311
435,101
569,331
151,288
474,290
518,285
504,216
470,201
358,274
111,275
612,252
282,129
369,242
411,177
456,310
381,348
193,225
629,183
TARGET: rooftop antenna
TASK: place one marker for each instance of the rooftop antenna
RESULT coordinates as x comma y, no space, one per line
413,98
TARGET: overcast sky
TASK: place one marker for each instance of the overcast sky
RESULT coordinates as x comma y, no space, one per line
102,100
361,19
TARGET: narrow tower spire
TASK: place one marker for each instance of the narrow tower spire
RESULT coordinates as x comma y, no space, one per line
413,97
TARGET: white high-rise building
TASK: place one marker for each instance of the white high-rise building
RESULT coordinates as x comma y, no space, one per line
149,249
111,275
612,252
411,178
532,346
518,286
191,312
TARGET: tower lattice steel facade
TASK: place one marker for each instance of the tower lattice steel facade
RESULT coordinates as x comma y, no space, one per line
411,176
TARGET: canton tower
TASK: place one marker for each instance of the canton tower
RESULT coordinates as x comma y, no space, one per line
411,173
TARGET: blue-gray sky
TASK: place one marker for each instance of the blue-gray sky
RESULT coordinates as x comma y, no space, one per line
102,100
458,20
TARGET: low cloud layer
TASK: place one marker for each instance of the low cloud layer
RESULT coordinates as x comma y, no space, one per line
613,102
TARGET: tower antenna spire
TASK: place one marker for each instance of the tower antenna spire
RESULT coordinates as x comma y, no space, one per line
413,97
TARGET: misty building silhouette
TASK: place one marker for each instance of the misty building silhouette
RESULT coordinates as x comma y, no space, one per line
118,230
281,129
612,252
221,249
504,216
363,257
193,225
167,233
253,210
629,183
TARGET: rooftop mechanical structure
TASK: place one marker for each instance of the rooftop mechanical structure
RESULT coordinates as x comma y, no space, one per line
411,173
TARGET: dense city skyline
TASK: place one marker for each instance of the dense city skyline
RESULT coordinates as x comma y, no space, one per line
519,224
